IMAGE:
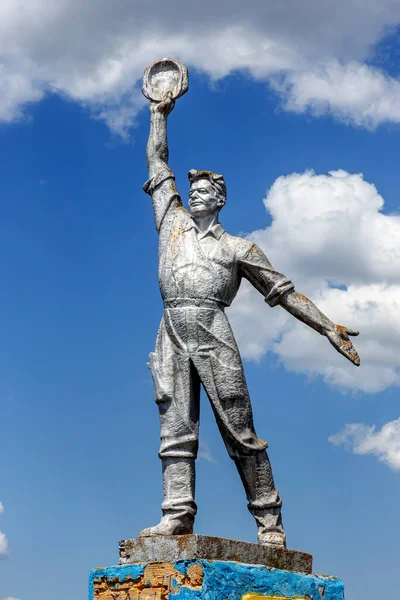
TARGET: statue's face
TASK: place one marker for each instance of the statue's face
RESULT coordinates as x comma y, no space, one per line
203,199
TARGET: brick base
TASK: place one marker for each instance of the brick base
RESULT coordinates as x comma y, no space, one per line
208,580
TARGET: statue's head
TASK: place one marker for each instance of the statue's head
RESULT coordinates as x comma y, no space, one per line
207,192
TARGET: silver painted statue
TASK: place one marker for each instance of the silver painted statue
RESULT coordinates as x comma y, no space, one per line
200,270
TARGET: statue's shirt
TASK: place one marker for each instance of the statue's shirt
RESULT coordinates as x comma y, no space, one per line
208,265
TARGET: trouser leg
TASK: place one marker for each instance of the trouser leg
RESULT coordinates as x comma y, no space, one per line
235,422
178,506
264,501
179,487
177,392
222,375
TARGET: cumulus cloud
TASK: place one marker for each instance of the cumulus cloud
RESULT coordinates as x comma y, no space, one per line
363,439
354,93
16,91
94,52
329,235
1,508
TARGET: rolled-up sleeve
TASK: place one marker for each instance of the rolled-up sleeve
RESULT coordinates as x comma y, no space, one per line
164,194
256,267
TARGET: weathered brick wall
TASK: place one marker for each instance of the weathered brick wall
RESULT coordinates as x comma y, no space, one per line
209,580
156,583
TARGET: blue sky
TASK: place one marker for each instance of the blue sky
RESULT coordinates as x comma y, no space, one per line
81,306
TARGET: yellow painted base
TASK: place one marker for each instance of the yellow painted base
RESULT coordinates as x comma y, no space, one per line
258,597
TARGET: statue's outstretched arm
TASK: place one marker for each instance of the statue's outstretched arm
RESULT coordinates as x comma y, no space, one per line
278,289
303,309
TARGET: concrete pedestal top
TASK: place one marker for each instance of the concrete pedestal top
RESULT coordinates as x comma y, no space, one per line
191,547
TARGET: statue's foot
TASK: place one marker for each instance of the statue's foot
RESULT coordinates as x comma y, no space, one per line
272,538
169,526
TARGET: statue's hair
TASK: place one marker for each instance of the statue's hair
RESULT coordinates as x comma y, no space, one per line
217,181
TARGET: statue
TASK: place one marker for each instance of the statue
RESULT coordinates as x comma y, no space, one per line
200,270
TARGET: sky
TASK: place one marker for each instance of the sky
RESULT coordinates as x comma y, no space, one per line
299,108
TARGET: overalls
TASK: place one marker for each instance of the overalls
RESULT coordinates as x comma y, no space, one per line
199,275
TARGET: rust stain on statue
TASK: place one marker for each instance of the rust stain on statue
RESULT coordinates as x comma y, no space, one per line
176,232
346,345
174,188
302,297
349,349
158,581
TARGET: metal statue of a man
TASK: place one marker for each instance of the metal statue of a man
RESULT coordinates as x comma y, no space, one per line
200,270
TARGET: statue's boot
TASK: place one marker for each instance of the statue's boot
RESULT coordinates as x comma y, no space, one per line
264,501
178,507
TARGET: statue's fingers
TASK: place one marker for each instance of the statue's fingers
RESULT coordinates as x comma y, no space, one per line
166,105
352,332
348,350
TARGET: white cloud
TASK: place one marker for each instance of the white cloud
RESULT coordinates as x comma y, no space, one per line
329,235
16,91
95,51
1,508
363,439
352,92
3,545
10,598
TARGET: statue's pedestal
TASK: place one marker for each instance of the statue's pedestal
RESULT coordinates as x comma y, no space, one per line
194,567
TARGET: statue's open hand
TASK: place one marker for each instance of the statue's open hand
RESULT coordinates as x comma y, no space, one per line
165,106
339,338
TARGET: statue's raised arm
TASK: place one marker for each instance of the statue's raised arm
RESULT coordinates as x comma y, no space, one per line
157,146
163,82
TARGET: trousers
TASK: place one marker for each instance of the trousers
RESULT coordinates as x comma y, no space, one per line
195,345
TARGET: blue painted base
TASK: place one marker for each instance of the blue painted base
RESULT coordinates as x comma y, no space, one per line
208,580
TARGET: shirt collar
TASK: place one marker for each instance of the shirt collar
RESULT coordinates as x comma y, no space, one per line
215,230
